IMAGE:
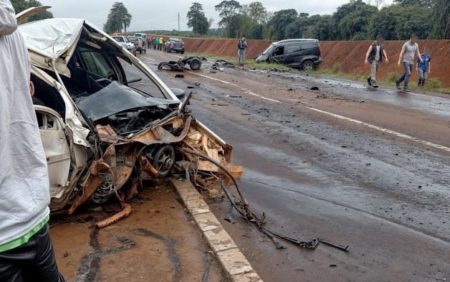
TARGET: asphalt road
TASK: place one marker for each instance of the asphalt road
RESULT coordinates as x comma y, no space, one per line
363,168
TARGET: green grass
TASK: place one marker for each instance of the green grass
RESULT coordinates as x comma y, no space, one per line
432,84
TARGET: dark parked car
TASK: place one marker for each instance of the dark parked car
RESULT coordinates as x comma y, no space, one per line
174,45
296,53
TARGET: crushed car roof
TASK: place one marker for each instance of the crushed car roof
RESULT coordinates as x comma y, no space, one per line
51,37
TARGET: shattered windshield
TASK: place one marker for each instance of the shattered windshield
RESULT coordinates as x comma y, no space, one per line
269,49
116,98
137,80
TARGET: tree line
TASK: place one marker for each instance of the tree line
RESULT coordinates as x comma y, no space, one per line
356,20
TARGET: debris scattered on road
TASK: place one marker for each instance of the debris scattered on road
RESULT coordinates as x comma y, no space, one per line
194,63
221,64
179,75
314,88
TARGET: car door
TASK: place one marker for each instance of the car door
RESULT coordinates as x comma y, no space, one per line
278,55
56,147
293,54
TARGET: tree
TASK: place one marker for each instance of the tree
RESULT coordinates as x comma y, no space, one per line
257,12
352,20
400,21
197,19
441,19
279,22
227,10
20,5
420,3
118,19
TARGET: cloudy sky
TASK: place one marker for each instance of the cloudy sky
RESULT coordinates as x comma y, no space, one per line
153,15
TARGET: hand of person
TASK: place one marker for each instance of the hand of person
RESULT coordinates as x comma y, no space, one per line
387,60
399,63
366,61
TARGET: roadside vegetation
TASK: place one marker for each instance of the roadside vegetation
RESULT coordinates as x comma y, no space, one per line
432,84
356,20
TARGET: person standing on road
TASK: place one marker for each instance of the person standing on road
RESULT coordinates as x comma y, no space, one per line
374,56
26,251
423,67
409,50
161,43
156,43
241,46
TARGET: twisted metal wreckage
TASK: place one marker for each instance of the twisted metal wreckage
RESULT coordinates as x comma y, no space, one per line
107,122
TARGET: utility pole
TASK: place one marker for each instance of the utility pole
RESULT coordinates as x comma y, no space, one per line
178,21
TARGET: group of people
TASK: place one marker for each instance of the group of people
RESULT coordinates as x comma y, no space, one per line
156,43
376,54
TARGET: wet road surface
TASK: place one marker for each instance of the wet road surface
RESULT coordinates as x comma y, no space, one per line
315,175
157,242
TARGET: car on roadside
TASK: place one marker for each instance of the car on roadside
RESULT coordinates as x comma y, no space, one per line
107,121
174,45
296,53
125,43
139,44
141,35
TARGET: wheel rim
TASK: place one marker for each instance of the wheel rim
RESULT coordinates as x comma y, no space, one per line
164,159
307,66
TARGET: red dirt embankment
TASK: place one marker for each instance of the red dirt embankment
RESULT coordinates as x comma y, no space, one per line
345,56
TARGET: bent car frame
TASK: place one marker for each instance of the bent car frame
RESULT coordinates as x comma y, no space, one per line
106,120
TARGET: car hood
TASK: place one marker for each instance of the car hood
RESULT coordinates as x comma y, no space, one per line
116,98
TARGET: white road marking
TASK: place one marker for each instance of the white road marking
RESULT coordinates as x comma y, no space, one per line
235,85
369,125
384,130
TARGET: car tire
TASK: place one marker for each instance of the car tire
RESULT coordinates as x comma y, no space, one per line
308,65
195,64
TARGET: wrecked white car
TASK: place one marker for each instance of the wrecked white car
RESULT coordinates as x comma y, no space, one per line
107,121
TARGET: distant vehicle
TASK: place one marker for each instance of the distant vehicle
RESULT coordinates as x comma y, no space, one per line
138,43
174,45
296,53
143,36
123,40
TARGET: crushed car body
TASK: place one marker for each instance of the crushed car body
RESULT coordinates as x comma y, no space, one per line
106,120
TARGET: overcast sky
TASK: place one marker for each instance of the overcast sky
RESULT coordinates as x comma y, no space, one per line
153,15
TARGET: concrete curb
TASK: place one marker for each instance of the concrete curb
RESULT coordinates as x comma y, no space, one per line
233,261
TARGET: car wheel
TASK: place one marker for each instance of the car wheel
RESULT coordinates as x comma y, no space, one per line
195,64
164,159
308,65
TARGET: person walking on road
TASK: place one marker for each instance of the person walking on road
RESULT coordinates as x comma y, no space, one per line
409,50
423,67
374,57
156,43
161,44
26,251
241,46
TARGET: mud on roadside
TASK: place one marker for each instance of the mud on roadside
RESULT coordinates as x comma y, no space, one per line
157,242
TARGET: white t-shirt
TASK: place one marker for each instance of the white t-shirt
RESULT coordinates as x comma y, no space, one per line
24,183
377,53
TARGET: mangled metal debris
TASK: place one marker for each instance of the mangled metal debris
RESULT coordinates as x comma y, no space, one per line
194,62
107,121
221,64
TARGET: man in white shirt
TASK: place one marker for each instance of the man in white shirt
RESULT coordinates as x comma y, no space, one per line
409,50
26,252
